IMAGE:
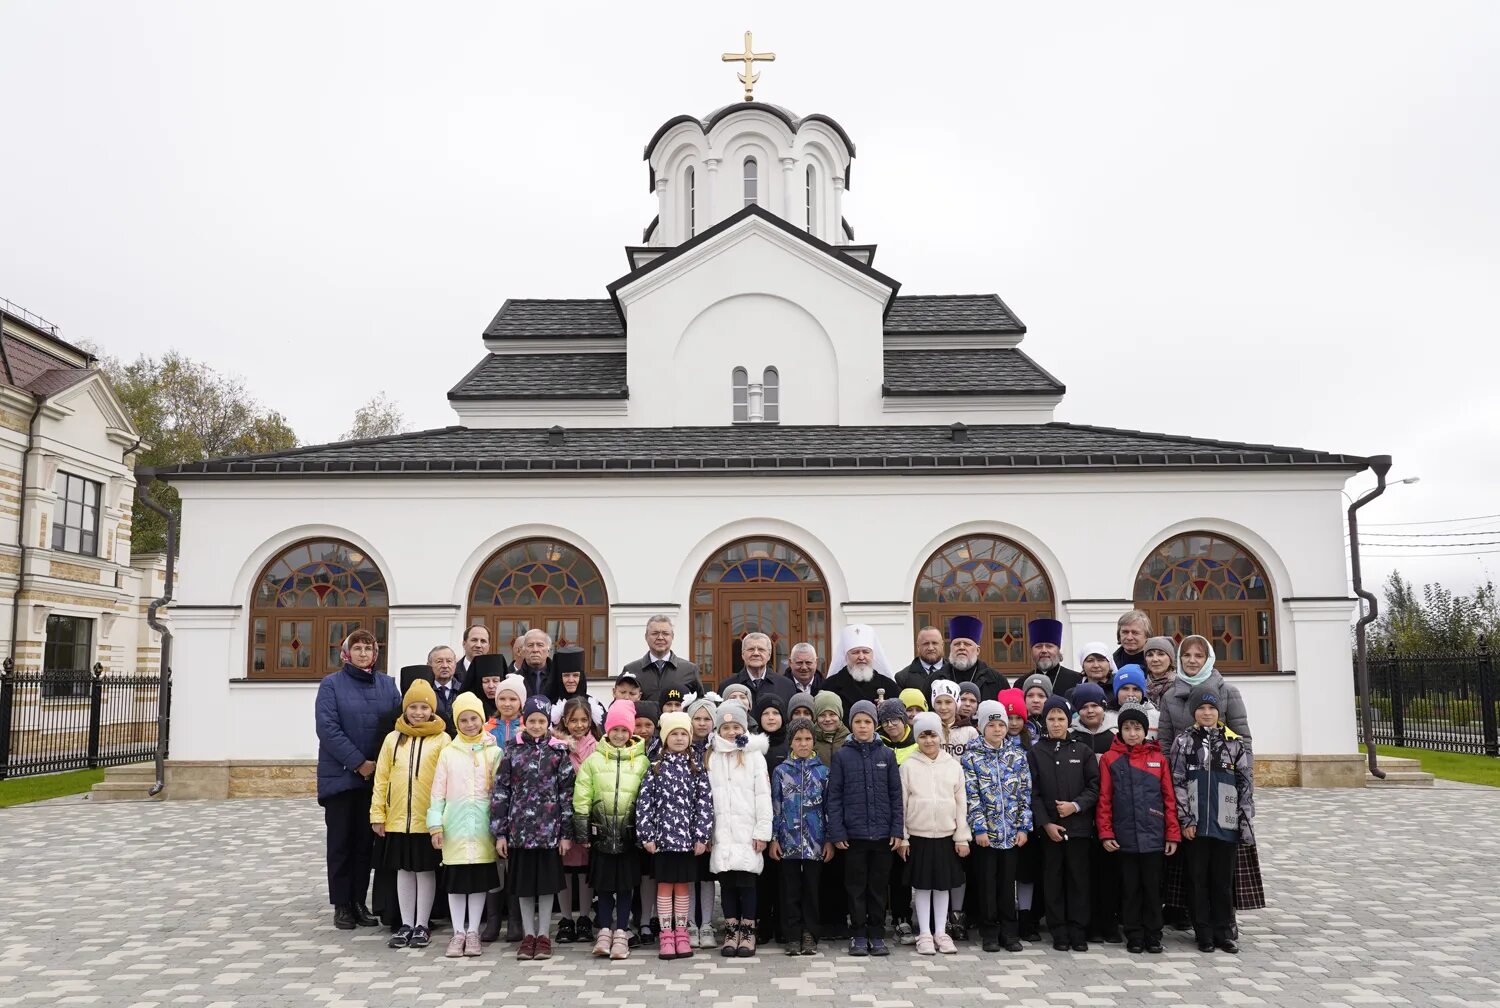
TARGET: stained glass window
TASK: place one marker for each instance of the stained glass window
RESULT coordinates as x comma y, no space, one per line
548,585
760,585
993,579
307,600
1205,583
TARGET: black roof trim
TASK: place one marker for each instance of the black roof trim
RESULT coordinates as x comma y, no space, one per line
717,115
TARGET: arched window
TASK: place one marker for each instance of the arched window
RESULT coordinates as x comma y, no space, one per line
771,390
306,601
752,181
757,584
812,201
547,585
739,381
1206,583
692,203
993,579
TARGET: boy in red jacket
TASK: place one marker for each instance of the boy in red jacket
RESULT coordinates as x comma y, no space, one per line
1137,820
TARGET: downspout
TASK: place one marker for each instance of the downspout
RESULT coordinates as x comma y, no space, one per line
1380,464
143,478
15,599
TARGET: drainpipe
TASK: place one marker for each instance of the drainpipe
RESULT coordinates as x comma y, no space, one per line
15,599
143,478
1380,465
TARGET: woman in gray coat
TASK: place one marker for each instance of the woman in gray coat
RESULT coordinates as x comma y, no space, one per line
1195,667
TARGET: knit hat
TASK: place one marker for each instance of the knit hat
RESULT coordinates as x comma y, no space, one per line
1087,693
800,700
1161,644
970,688
927,722
731,710
674,721
947,688
671,695
829,700
702,703
734,689
512,684
1038,680
769,698
621,715
800,724
1130,675
1135,712
1056,703
1201,696
420,691
1014,702
537,704
890,710
1099,648
866,708
990,710
647,709
466,702
913,698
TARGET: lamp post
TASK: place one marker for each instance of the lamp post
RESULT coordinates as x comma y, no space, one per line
1380,465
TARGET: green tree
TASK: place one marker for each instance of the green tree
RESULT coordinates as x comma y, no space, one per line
187,412
1437,621
380,417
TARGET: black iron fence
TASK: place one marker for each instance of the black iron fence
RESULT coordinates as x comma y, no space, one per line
79,719
1435,701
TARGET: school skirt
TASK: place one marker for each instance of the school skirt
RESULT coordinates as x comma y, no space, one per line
412,852
932,863
674,866
1249,887
534,871
616,873
471,878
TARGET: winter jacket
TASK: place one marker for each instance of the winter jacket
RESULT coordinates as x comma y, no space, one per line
864,793
1064,770
742,802
915,676
1176,718
531,807
403,781
825,743
605,793
504,732
990,681
997,788
353,711
959,738
1214,775
1099,742
902,747
675,809
461,800
932,797
799,789
1137,803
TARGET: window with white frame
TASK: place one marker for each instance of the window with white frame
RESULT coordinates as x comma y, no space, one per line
692,203
812,200
752,181
771,396
740,395
75,520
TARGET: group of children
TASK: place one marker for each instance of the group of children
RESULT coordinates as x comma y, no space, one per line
812,823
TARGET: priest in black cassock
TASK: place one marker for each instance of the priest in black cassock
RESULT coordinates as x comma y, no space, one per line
1046,655
864,673
965,634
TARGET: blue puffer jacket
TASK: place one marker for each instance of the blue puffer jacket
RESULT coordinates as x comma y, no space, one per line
864,793
799,790
997,783
354,710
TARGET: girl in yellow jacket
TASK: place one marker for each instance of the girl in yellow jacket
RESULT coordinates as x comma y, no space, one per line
459,820
398,810
937,830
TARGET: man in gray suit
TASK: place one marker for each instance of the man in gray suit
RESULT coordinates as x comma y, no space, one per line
659,669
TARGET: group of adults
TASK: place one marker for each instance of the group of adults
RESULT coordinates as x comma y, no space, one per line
356,706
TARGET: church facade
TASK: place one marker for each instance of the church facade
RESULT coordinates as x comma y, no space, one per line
753,428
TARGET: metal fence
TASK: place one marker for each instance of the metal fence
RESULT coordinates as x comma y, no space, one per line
1434,701
56,720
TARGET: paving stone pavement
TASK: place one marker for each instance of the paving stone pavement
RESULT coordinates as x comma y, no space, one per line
1377,897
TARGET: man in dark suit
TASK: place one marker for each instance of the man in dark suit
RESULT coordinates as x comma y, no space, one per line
476,643
802,669
535,667
1046,655
441,672
928,665
659,668
755,651
965,634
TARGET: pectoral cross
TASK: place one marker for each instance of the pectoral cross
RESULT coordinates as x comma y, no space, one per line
749,57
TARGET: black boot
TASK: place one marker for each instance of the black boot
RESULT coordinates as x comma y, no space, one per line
991,938
363,917
958,926
343,918
513,932
493,908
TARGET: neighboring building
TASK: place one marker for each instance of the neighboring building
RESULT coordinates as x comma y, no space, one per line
71,596
752,430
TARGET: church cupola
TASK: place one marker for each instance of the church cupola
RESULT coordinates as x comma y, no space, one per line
704,170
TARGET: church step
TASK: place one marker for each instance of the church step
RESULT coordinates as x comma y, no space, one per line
1400,778
126,783
1399,763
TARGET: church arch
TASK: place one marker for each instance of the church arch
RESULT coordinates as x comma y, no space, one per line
993,578
306,599
543,582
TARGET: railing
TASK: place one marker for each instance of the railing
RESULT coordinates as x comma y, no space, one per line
1435,701
75,719
30,318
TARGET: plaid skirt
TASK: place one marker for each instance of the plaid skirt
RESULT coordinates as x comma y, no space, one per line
1249,888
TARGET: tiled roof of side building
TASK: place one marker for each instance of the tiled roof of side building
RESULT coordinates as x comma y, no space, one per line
27,363
596,451
531,318
544,376
951,313
990,371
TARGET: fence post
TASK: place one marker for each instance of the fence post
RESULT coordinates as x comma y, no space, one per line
96,710
1398,701
1487,699
7,701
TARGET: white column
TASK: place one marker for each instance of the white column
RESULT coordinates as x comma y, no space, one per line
666,225
788,189
413,630
893,626
1087,620
628,631
1325,680
208,649
836,225
708,193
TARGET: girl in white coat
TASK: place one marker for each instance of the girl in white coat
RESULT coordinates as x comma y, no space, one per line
742,822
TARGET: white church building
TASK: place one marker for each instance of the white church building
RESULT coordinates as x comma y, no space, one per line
753,428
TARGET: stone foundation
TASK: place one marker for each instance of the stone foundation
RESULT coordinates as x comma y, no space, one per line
1343,771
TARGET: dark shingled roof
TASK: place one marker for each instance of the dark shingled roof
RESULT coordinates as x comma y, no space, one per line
543,318
811,450
991,371
951,313
544,376
38,372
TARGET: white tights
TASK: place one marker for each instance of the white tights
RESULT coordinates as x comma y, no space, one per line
705,903
534,919
931,904
461,903
415,891
585,897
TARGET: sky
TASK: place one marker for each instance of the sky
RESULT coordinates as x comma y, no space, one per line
1272,222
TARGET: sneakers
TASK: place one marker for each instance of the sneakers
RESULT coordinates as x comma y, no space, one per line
904,934
925,945
584,930
543,948
809,944
471,943
566,935
878,947
421,937
706,937
859,946
602,943
527,948
455,946
619,944
944,943
401,939
958,926
792,948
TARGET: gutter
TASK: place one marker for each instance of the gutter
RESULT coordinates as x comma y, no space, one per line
15,599
143,478
1380,465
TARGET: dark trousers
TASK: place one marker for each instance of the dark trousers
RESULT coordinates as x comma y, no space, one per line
867,875
1065,866
767,894
991,896
350,845
1210,865
799,898
1140,895
1104,890
900,892
833,898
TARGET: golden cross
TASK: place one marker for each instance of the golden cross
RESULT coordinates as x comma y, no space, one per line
749,57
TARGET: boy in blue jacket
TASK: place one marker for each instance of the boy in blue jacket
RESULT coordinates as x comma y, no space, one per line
865,821
799,837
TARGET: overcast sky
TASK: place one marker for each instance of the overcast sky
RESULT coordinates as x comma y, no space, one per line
1271,222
